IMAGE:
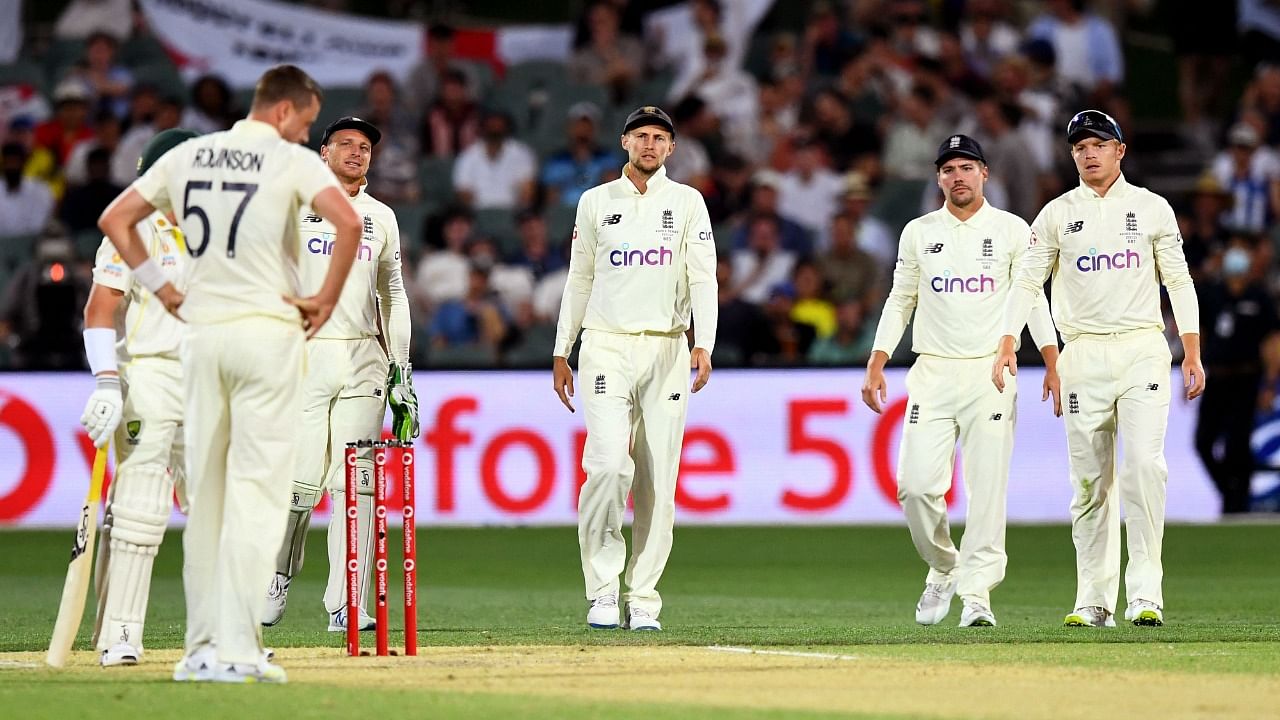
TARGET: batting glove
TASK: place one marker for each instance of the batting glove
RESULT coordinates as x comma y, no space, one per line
103,411
403,401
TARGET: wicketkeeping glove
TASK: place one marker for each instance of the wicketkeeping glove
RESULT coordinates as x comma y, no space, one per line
403,401
104,409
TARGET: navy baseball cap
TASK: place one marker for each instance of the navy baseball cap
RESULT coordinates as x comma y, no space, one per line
352,123
649,115
161,143
959,146
1093,123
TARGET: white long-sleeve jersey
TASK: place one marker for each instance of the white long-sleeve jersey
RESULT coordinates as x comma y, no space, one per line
641,262
955,275
374,289
143,327
1108,256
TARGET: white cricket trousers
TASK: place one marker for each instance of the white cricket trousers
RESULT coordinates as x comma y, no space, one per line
1117,384
241,380
635,392
950,399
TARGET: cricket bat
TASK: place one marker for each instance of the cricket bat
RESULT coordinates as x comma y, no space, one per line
76,587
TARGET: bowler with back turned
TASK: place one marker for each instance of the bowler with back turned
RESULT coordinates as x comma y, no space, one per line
643,257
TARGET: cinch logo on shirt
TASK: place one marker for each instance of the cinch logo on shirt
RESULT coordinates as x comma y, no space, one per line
653,256
976,284
1095,261
321,246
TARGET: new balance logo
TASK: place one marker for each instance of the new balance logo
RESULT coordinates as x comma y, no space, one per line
600,384
312,219
996,416
673,396
915,414
1073,404
1074,227
1153,386
611,219
933,249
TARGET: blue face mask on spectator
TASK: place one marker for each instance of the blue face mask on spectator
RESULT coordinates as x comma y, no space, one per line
1236,262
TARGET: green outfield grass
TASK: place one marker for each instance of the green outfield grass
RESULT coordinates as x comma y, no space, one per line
835,591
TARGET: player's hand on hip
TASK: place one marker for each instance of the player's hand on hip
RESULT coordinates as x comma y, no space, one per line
875,390
315,312
172,298
103,410
1053,386
1005,358
562,380
1193,377
700,360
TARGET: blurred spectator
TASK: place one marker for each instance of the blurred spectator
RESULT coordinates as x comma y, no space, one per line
42,164
682,42
729,92
1012,81
789,341
85,202
778,118
537,253
862,90
426,82
442,273
849,144
393,176
955,76
730,194
512,284
1203,235
1251,174
763,264
850,345
452,123
124,163
211,108
81,18
498,171
1010,159
69,124
912,144
690,163
1262,96
809,193
828,44
108,81
764,201
1086,47
911,33
873,235
40,317
477,318
1259,26
21,101
583,164
811,306
144,101
106,136
26,203
850,271
1237,318
1203,44
742,332
986,35
607,58
547,294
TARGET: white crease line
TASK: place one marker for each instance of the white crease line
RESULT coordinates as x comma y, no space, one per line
7,664
784,653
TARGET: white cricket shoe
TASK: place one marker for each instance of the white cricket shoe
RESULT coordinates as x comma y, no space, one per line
935,603
120,654
1091,616
641,619
276,596
338,621
262,672
977,615
1144,612
603,614
197,666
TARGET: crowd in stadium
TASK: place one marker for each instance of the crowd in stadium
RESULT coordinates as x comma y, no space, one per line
813,144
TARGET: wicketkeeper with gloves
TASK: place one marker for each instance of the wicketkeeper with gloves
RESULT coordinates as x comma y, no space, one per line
132,346
356,364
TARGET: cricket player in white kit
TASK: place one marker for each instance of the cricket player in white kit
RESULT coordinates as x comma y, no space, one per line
643,258
1109,245
346,386
132,346
237,195
955,268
